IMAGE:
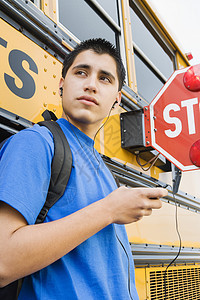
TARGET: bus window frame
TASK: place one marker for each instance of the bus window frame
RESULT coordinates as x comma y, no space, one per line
149,23
167,47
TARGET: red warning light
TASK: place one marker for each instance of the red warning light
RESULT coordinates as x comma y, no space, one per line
195,153
191,79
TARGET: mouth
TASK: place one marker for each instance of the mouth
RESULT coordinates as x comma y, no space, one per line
88,100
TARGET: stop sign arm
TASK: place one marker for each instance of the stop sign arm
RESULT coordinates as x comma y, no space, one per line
176,178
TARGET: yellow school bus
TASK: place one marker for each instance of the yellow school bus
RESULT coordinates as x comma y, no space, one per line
35,36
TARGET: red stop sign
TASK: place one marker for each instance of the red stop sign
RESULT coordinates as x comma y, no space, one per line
172,120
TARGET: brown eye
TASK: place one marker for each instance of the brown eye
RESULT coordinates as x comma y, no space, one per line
81,73
105,79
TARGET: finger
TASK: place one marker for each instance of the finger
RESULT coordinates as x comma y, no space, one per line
155,193
156,204
148,212
152,203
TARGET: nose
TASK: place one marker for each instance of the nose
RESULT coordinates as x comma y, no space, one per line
90,84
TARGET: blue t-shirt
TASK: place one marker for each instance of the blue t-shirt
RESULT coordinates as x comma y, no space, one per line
99,267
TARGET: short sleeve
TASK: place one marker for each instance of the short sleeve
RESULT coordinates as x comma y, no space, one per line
25,170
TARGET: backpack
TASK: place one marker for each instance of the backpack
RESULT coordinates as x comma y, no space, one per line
60,172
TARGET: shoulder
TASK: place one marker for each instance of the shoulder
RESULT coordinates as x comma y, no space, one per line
25,170
36,138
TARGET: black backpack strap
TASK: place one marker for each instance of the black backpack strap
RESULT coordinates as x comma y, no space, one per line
48,115
60,168
3,142
9,292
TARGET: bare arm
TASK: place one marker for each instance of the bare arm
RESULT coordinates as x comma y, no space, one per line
25,249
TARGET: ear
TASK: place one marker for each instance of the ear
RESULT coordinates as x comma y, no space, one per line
61,82
118,98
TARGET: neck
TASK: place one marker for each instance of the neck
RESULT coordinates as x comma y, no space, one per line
89,129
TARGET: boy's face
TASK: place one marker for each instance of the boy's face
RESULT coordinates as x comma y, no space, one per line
90,88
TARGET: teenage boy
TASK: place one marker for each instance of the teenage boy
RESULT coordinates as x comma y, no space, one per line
81,251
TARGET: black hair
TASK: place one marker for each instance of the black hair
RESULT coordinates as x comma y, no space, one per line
99,46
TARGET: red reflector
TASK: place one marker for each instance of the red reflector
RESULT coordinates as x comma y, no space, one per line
191,79
195,153
189,55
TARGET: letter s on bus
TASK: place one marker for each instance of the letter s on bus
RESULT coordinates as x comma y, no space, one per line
16,57
172,120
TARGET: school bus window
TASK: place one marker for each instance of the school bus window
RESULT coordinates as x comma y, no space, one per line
83,22
111,8
148,84
143,38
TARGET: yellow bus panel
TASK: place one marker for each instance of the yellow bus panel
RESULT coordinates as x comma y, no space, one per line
31,88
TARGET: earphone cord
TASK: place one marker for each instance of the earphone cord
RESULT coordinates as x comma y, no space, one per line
179,250
98,132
